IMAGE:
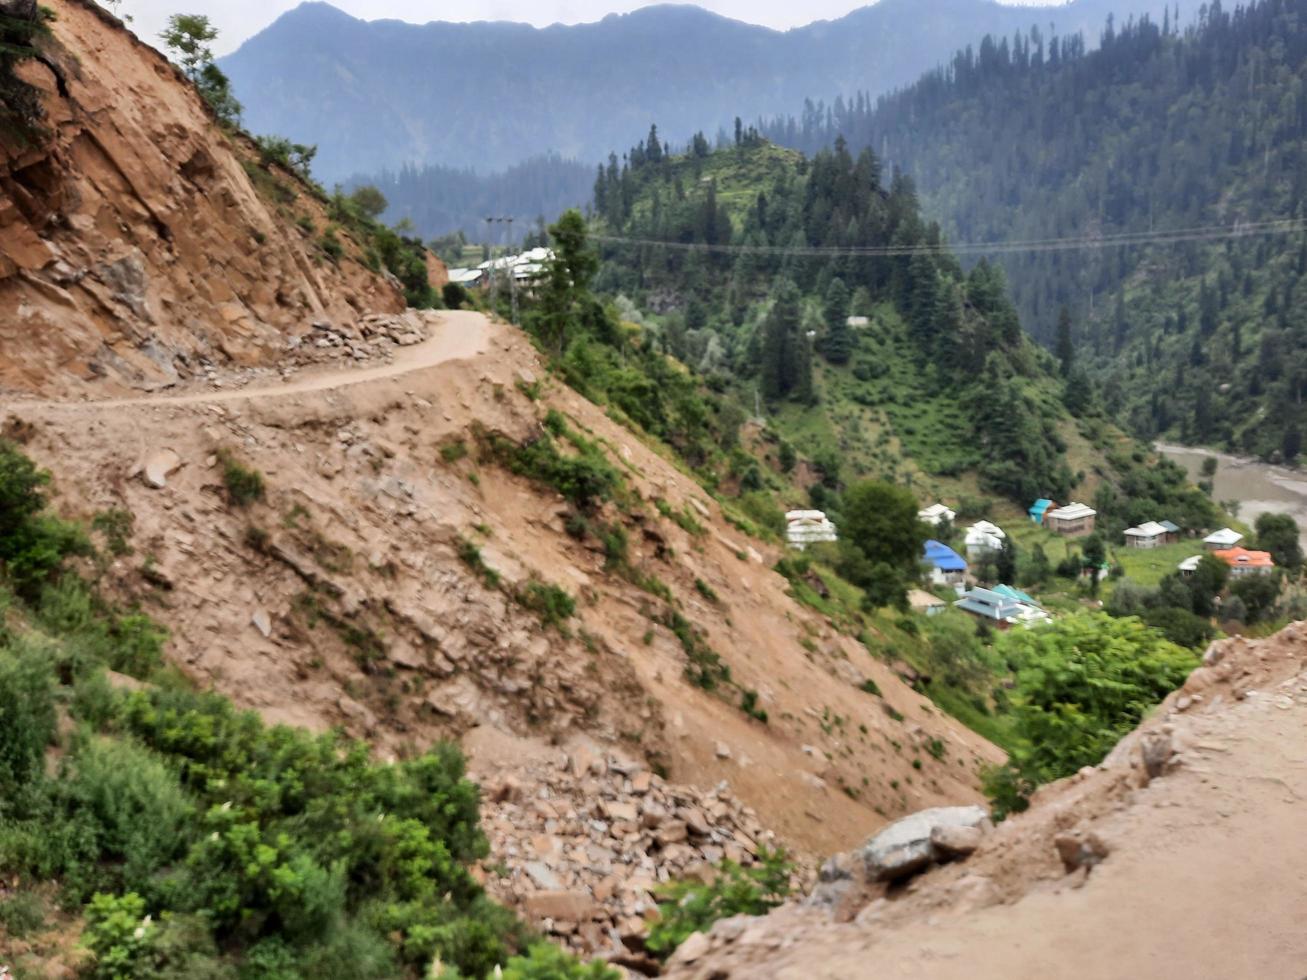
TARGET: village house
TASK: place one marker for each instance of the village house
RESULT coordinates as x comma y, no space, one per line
1001,609
805,527
1152,534
923,602
1222,540
1039,508
1243,562
1071,520
984,538
946,565
935,515
1189,565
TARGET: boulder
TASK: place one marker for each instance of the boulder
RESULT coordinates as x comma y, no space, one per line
158,466
905,847
1077,851
955,842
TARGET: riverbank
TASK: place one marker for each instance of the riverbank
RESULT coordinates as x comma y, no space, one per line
1258,488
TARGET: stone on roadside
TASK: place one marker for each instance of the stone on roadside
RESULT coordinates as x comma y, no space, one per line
955,842
905,848
159,466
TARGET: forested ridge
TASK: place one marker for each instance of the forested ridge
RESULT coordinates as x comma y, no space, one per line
762,318
1159,129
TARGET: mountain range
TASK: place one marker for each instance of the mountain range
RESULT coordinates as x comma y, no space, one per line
377,95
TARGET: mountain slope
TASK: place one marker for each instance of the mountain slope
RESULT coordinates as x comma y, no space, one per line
1158,131
374,96
136,244
443,543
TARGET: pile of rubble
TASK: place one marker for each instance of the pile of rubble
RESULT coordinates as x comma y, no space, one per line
374,336
581,844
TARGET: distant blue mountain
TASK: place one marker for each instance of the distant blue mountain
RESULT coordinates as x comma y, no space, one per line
377,95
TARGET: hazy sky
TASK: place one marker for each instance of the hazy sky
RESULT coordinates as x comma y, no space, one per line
238,19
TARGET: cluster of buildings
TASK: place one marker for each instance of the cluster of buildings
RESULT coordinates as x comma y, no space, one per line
525,268
1002,606
1225,544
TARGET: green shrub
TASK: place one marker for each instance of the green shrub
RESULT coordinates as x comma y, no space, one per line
120,937
452,452
545,961
1083,682
331,244
22,914
552,604
27,716
244,485
691,906
454,295
705,590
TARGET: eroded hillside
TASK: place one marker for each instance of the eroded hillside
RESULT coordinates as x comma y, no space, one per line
379,584
427,538
135,248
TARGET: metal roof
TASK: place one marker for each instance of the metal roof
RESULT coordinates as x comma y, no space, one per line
1072,512
943,557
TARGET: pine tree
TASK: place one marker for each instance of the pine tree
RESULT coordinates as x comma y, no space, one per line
838,343
1066,352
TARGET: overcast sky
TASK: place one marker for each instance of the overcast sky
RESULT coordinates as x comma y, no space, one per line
238,19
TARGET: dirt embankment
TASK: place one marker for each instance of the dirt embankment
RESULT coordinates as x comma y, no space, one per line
349,596
1189,838
135,249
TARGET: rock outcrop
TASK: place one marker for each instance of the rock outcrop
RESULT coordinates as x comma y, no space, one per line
140,243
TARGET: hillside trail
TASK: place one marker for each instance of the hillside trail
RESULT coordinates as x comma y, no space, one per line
1206,875
455,335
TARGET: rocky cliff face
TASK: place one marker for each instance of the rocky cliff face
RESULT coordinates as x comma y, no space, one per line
140,242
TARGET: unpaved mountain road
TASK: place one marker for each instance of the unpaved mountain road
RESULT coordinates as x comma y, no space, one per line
455,335
1206,878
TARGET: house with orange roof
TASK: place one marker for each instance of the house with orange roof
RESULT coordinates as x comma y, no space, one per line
1244,562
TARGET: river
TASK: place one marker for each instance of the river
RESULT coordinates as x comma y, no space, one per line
1260,488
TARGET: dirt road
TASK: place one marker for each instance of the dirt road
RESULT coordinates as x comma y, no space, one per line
456,335
1206,876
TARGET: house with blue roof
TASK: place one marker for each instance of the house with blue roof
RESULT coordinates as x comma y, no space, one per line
1039,508
1000,609
947,567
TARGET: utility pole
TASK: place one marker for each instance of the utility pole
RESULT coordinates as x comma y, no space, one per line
512,272
490,257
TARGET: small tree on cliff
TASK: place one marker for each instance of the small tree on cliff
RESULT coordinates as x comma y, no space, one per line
188,37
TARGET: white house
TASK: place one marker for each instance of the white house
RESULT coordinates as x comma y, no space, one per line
466,277
1189,565
1071,520
858,321
805,527
1150,534
1222,540
984,538
935,515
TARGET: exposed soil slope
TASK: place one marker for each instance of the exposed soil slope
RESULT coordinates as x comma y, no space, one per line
346,596
1204,873
134,245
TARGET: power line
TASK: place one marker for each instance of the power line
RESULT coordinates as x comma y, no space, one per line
1201,233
